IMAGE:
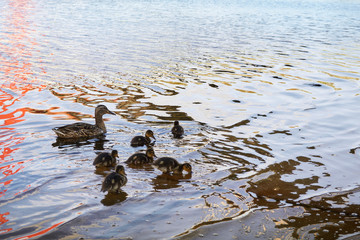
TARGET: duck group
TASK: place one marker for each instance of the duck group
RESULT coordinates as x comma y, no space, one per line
117,179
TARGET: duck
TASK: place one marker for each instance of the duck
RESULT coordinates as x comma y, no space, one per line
106,159
115,180
142,158
85,130
168,164
177,130
139,141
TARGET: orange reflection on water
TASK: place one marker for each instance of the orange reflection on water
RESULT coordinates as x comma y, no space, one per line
18,77
11,118
39,233
3,220
18,47
61,114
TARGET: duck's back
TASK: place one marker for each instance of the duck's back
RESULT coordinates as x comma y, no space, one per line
177,131
138,158
113,182
166,164
78,130
138,141
104,159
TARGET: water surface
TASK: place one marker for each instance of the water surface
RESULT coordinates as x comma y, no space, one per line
267,93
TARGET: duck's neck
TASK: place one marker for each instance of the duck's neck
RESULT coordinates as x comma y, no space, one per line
178,168
100,122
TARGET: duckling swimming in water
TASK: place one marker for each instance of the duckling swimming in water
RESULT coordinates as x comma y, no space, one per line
106,159
177,130
84,130
168,164
115,180
142,158
139,141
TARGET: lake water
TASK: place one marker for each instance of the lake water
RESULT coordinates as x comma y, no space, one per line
267,91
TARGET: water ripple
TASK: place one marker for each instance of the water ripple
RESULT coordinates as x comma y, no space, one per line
267,94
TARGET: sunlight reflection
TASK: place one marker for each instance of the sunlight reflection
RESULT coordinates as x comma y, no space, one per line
18,78
3,220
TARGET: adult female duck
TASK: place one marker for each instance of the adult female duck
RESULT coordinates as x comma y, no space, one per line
85,130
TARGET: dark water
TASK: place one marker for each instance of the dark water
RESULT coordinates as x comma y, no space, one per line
268,94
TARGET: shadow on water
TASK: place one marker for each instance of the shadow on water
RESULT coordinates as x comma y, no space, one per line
167,181
103,171
114,198
143,167
78,142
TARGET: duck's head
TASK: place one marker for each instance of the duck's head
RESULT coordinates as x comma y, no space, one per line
150,152
187,167
176,123
120,169
102,109
114,153
150,134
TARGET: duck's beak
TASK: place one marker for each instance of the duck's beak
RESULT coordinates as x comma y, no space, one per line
112,113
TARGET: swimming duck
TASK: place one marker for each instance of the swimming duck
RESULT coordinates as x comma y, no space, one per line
83,130
168,164
177,130
106,159
115,180
139,141
142,158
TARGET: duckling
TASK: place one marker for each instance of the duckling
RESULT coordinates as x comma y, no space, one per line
84,130
106,159
142,158
139,141
168,164
115,180
177,130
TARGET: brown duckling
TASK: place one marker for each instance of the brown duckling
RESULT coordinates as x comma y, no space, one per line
115,180
139,141
142,158
177,130
85,130
106,159
168,164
